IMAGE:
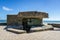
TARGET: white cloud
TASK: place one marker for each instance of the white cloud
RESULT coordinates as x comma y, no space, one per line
6,8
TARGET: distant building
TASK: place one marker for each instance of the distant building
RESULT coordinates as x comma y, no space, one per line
32,17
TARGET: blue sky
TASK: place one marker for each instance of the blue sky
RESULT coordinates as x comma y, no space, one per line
52,7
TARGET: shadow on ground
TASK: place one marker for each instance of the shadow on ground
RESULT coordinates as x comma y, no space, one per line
31,31
20,28
7,28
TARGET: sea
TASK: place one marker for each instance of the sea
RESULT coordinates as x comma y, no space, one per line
48,22
52,22
3,21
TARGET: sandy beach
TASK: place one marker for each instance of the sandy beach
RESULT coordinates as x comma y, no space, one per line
41,35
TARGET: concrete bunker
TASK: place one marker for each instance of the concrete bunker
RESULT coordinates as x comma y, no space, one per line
27,19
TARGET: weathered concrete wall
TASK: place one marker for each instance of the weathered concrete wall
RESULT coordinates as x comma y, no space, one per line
36,22
11,19
17,19
33,14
